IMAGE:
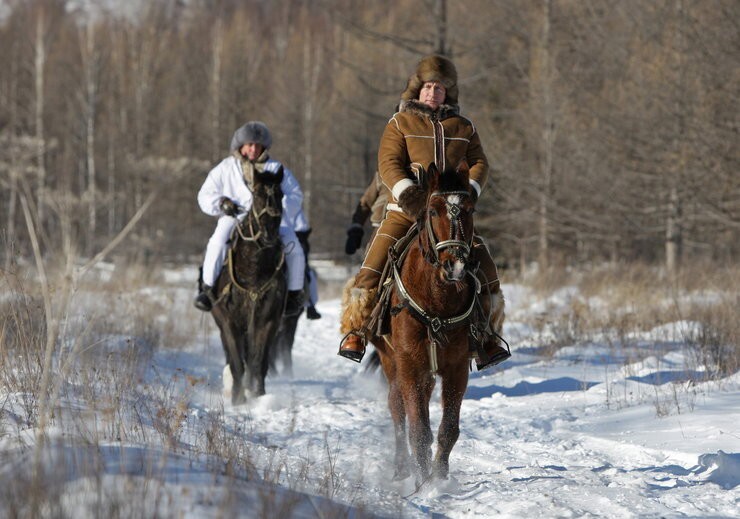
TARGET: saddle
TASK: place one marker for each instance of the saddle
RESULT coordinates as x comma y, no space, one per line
379,321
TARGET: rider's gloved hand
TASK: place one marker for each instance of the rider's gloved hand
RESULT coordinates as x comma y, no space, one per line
412,200
473,194
354,238
228,206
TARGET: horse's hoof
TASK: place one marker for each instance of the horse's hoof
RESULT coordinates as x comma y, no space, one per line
401,473
238,398
441,472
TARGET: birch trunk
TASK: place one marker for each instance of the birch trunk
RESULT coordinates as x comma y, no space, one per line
541,92
39,65
90,64
674,231
218,44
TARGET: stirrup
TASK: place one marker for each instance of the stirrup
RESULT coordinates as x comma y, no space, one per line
498,358
354,355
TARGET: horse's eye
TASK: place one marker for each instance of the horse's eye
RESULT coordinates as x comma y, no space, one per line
433,213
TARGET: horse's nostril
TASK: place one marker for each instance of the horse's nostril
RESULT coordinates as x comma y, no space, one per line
453,269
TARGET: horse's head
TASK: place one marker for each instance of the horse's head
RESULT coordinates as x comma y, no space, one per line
446,231
267,205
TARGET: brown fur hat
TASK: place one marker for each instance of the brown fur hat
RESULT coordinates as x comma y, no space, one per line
433,68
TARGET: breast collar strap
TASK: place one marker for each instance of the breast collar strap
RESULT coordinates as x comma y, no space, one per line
434,323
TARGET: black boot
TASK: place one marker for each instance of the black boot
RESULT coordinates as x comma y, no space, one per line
204,300
312,313
294,304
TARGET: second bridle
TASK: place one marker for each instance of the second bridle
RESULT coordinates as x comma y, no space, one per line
252,229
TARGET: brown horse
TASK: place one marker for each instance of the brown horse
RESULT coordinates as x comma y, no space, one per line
432,299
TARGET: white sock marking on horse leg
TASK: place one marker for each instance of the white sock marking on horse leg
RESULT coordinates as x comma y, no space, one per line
228,381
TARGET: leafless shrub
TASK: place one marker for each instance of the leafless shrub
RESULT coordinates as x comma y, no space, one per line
22,339
619,303
715,341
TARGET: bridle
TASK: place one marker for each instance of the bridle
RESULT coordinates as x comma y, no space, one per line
251,228
461,246
457,241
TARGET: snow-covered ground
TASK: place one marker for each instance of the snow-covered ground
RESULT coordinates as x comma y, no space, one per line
593,430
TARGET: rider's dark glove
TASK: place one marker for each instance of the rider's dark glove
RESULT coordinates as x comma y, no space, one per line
354,238
228,206
412,201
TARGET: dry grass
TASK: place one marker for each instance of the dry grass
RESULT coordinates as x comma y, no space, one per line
620,303
104,398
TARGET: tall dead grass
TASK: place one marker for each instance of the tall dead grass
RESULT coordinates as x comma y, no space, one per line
104,396
619,303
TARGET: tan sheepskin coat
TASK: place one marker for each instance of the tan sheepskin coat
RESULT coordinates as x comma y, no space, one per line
415,137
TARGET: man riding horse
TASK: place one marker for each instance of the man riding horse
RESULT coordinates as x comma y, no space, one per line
227,194
428,128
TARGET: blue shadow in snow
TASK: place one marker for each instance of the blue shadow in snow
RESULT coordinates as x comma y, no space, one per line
556,385
663,377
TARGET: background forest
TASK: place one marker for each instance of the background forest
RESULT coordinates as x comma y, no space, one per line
612,127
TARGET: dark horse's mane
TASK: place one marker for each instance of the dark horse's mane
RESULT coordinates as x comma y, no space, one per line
253,288
451,182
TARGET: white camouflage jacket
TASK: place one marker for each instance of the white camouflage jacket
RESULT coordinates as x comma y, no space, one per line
226,179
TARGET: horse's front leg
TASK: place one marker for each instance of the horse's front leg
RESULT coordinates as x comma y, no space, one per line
286,344
417,389
398,414
234,361
257,363
454,383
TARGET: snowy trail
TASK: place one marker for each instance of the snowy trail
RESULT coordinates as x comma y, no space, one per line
573,436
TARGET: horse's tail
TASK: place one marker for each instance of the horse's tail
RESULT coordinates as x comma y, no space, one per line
373,362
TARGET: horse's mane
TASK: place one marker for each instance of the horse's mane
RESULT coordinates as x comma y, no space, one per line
449,181
453,179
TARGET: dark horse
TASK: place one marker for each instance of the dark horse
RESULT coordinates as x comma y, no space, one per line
251,290
431,300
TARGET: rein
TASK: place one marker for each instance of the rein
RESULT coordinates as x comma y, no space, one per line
253,294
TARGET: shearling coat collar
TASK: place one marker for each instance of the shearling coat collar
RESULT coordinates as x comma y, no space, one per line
418,108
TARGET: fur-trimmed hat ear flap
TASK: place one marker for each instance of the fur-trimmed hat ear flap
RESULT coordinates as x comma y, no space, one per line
413,87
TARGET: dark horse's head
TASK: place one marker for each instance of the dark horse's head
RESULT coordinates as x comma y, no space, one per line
446,226
263,220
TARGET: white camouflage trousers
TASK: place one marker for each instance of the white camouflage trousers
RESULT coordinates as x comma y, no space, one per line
216,253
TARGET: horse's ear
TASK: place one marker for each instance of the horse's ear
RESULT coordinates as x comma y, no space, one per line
270,178
432,177
463,171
